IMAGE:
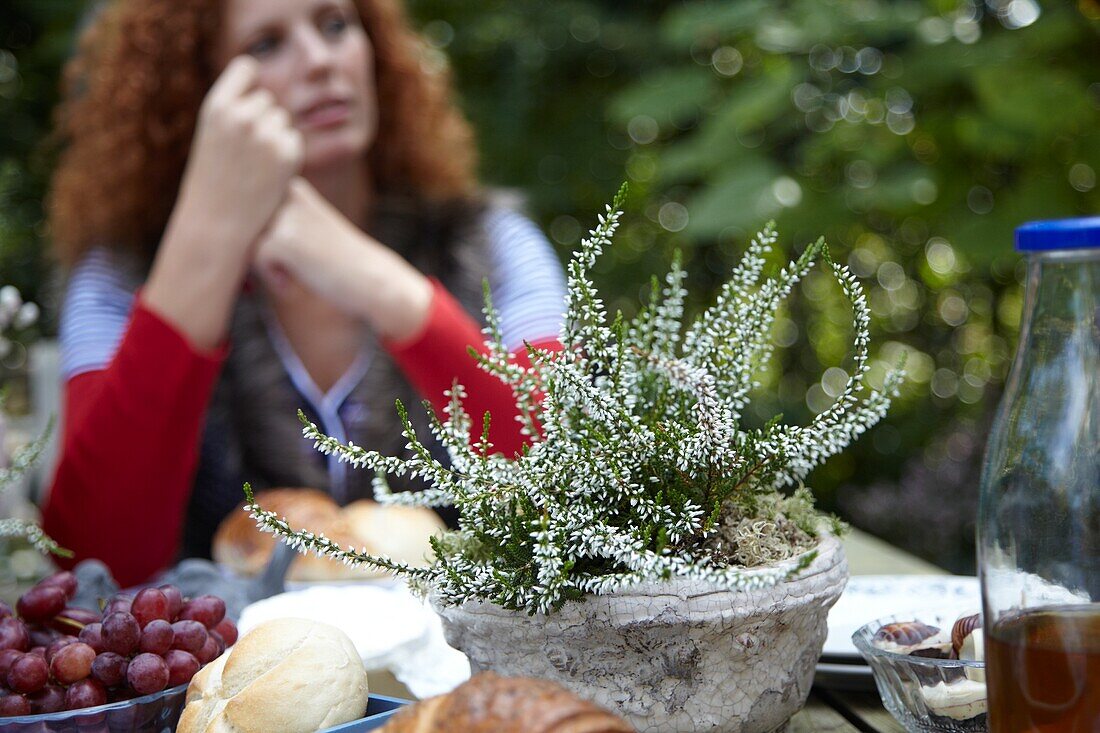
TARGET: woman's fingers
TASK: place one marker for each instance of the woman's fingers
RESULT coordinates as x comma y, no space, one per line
274,127
238,78
254,104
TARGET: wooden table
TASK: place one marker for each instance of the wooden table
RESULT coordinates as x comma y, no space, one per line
826,710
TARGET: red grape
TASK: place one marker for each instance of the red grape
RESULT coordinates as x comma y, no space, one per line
41,602
227,630
64,580
56,645
50,699
121,633
175,600
7,656
182,666
92,635
157,637
120,602
14,705
147,674
72,663
13,635
29,673
189,636
38,651
5,610
72,620
207,610
41,637
85,694
150,604
110,668
209,651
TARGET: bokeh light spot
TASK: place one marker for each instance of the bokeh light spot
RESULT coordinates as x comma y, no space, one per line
1082,177
727,60
642,129
673,216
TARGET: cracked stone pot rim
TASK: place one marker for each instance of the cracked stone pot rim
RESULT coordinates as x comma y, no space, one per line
830,555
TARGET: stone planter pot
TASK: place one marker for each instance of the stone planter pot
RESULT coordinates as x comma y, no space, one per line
674,656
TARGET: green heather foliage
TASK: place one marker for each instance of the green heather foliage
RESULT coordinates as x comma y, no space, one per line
639,468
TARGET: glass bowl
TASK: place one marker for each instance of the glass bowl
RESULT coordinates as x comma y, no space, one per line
156,713
926,695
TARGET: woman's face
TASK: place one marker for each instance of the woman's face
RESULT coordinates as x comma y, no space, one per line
316,59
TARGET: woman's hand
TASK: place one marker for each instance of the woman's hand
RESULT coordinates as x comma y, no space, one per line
310,243
244,154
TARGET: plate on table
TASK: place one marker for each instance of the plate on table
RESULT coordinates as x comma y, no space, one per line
382,622
868,597
392,629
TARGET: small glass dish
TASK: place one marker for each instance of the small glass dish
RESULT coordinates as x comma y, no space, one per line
156,713
926,695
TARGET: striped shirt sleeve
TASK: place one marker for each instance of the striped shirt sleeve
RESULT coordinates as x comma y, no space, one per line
527,282
94,314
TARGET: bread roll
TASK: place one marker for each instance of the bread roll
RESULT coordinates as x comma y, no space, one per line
239,544
398,532
488,703
286,675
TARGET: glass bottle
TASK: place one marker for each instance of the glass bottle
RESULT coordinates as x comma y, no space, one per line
1039,518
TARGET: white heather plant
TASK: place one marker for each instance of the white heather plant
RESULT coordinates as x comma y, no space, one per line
638,469
23,460
17,315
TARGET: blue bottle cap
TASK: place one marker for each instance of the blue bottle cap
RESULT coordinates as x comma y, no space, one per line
1038,236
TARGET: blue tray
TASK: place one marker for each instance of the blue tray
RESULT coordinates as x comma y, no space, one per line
379,709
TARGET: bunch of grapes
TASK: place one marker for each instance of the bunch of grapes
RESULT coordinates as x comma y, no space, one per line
53,657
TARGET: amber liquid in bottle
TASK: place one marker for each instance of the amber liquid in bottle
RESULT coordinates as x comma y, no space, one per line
1043,671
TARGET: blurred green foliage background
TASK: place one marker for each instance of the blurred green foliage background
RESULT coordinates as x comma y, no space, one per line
913,134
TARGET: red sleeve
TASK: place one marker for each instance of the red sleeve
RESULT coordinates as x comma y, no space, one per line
435,357
129,450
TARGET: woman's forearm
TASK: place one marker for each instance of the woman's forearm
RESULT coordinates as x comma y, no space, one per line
312,243
196,277
392,296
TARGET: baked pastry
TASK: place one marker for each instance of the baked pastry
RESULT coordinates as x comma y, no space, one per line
240,545
287,675
489,703
398,532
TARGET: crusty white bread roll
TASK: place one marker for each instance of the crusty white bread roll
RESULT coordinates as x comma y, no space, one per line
287,675
489,703
400,533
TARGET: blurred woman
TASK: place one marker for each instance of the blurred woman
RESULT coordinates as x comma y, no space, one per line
264,205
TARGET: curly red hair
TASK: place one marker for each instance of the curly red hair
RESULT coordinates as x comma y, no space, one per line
133,91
